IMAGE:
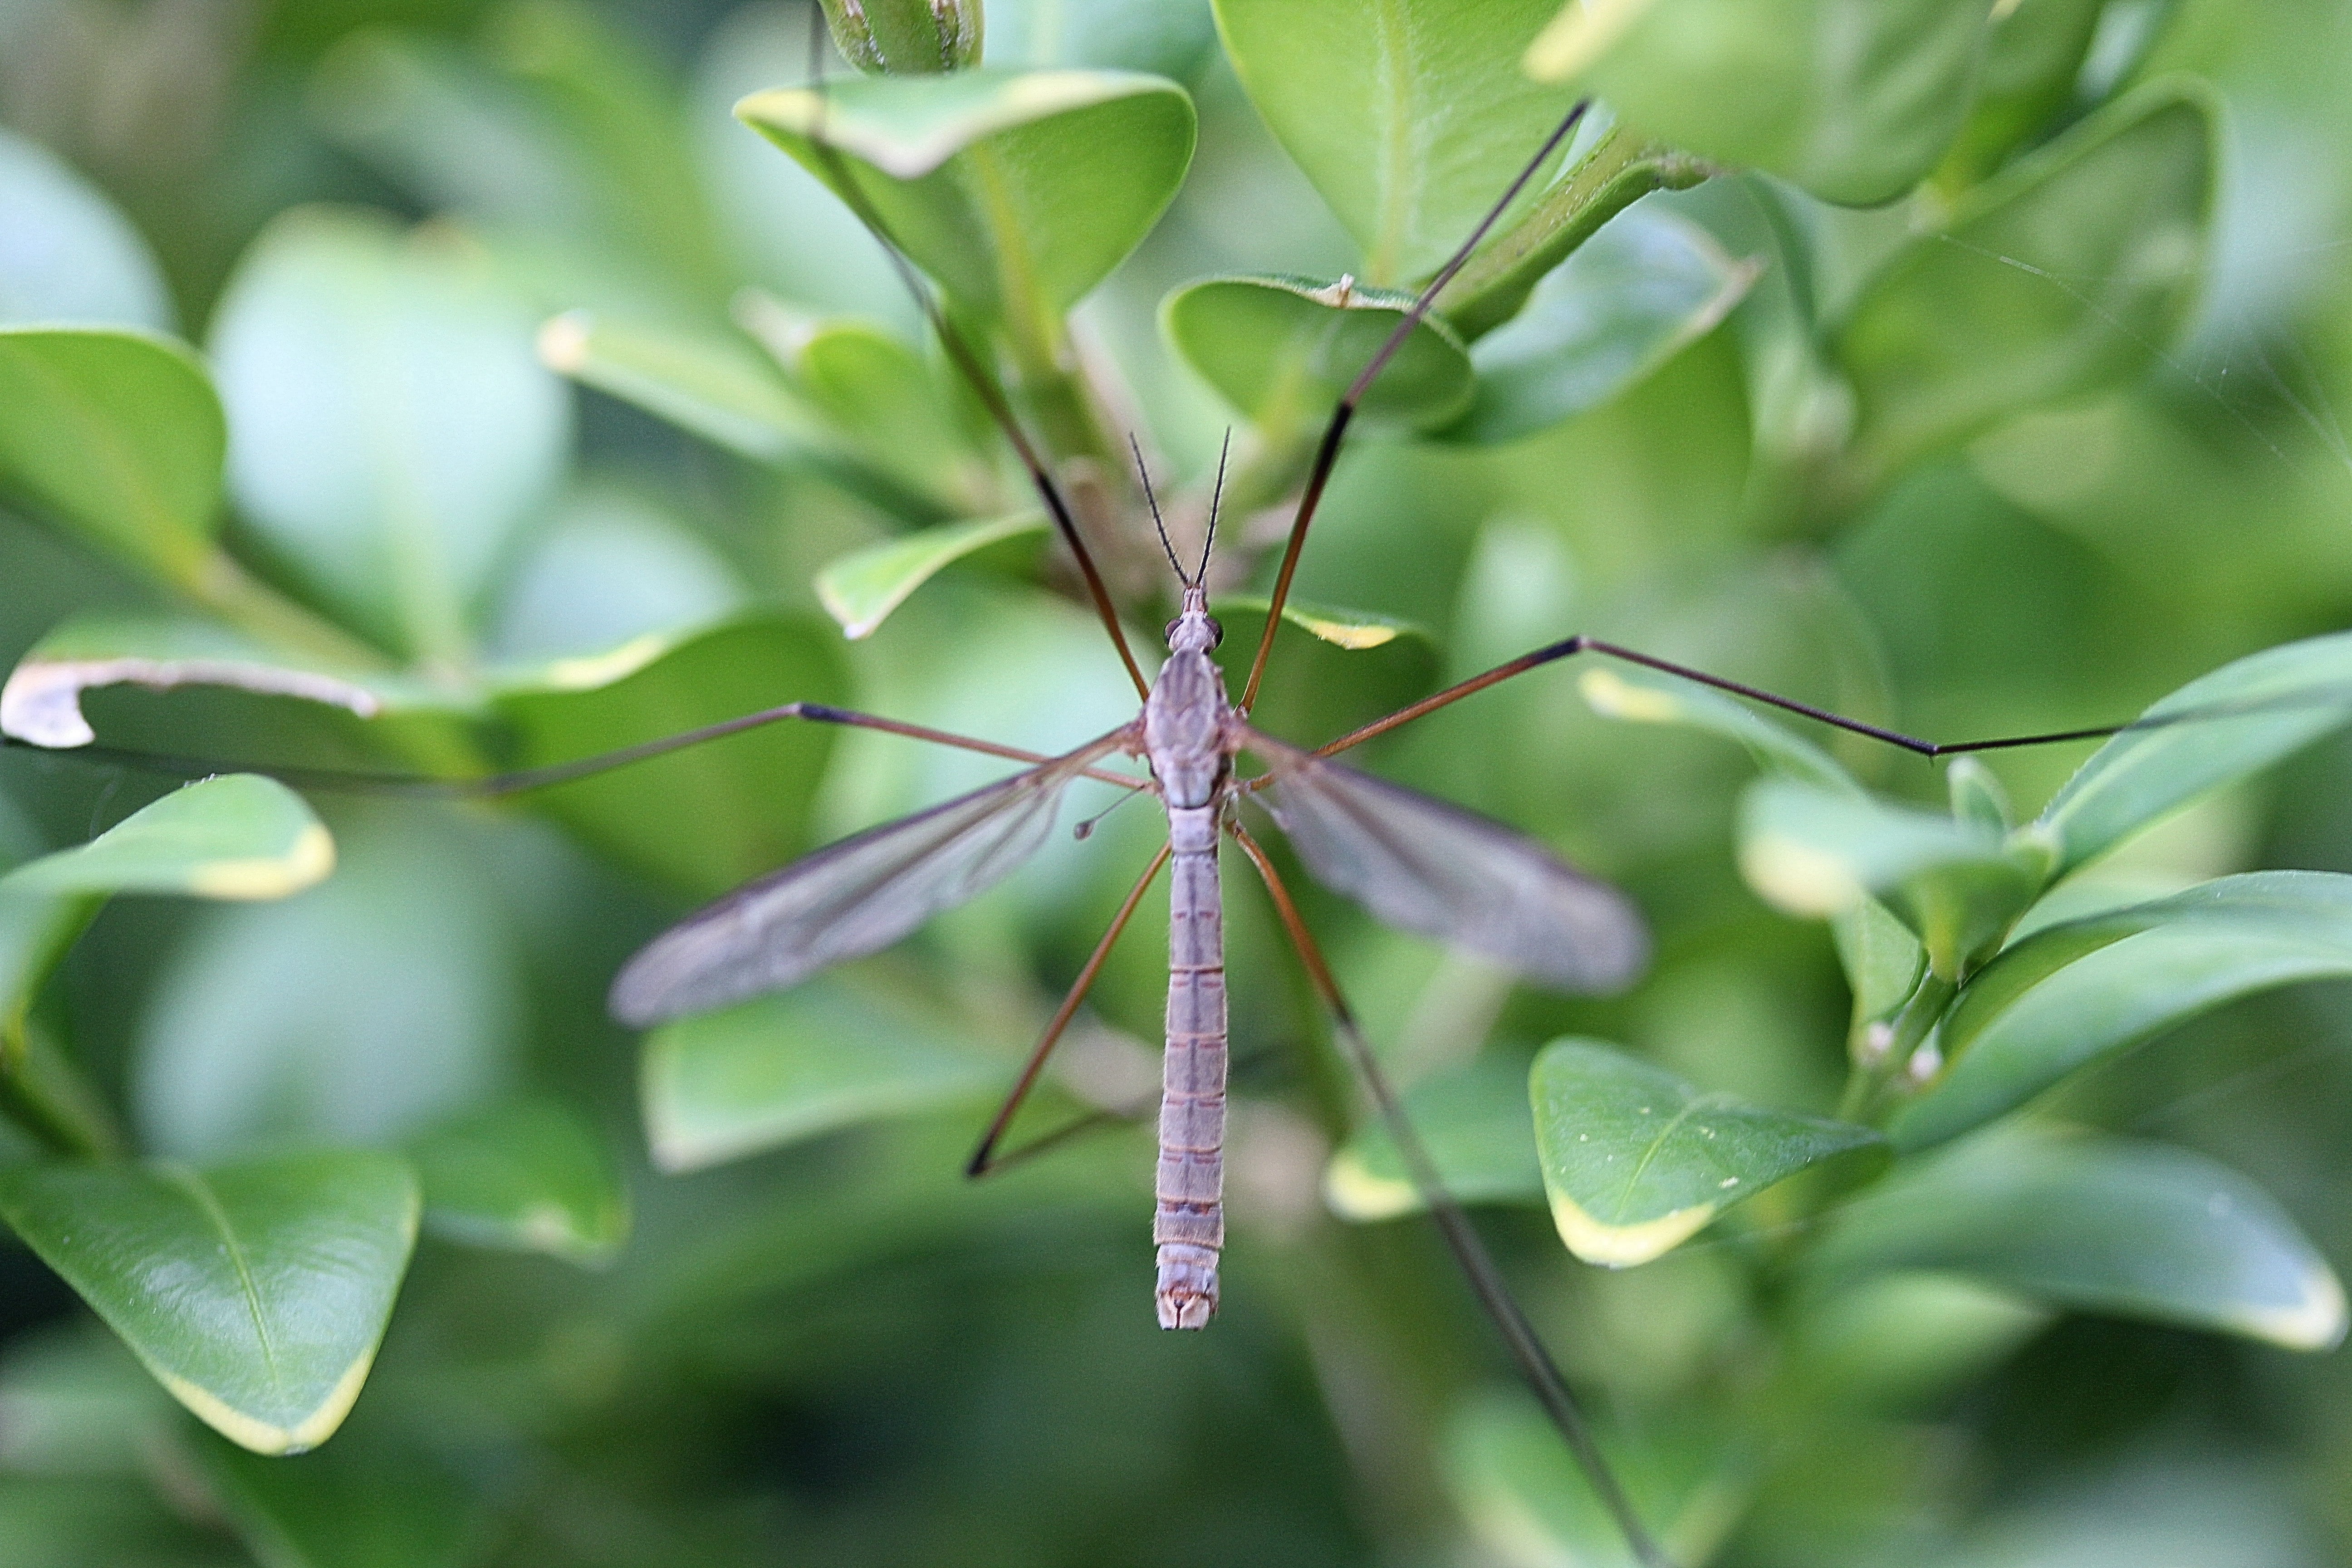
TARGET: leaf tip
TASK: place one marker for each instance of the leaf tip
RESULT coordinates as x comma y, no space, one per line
1352,1190
307,862
1624,1245
562,342
1580,35
1613,696
1797,877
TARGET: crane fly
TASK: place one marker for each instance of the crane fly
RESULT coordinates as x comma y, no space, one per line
1416,863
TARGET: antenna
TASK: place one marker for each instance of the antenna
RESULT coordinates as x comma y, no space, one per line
1157,523
1216,500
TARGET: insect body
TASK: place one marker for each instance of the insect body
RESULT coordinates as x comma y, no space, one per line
1189,733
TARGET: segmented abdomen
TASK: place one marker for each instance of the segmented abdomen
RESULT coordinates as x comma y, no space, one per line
1190,1224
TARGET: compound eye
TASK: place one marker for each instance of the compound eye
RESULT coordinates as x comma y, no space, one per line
1168,634
1216,633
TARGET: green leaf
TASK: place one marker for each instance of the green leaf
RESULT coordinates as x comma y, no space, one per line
860,589
117,434
1282,350
881,397
1957,884
2067,274
2073,993
2101,1224
41,703
789,1067
1351,629
2032,61
529,1176
702,382
256,1292
1410,116
1474,1124
1853,100
395,433
71,256
1528,1503
237,835
374,1006
1017,190
370,1501
1629,300
1351,668
1635,1161
2216,730
748,797
1647,699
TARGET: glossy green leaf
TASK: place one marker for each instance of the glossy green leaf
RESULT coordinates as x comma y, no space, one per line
256,1292
861,589
1529,1505
375,1005
748,797
2033,58
117,434
2068,273
69,255
1352,630
789,1067
1017,190
1853,100
2076,992
2098,1224
1474,1121
370,1501
1410,116
529,1175
1282,350
884,399
395,432
1957,884
1629,299
42,699
718,389
1635,1161
2216,730
236,835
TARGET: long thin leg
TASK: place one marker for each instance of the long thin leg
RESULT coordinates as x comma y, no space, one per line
494,785
1535,1365
1327,454
1572,647
985,1159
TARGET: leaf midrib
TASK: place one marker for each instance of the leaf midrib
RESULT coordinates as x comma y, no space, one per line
201,1194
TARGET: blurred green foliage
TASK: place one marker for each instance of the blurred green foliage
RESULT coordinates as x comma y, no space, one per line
538,406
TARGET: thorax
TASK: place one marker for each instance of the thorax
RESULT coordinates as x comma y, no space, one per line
1184,726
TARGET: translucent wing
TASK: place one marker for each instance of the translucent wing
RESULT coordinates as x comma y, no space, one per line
1435,869
846,900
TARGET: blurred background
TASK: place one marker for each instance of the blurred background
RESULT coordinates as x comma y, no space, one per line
831,1349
